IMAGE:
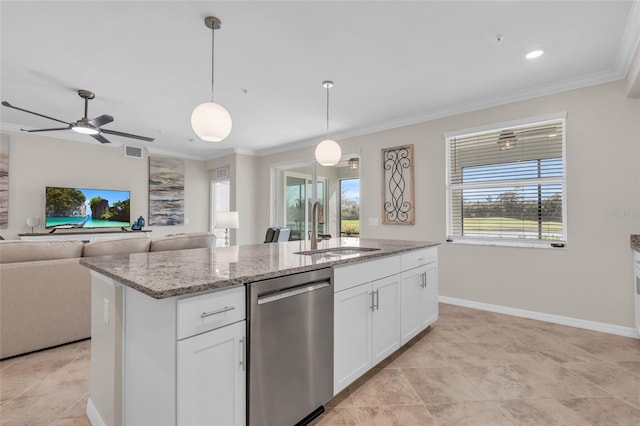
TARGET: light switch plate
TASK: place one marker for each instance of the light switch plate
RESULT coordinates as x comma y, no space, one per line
373,221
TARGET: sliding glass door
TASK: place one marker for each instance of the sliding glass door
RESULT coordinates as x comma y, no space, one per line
294,193
299,201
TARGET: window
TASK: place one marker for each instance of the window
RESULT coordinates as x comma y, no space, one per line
349,207
506,185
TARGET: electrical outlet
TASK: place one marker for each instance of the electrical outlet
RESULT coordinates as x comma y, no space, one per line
106,312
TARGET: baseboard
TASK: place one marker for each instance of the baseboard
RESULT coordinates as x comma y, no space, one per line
94,417
556,319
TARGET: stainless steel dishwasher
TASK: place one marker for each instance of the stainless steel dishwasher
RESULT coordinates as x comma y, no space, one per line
290,348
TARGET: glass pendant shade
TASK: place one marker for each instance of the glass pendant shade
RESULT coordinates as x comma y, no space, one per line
211,122
328,153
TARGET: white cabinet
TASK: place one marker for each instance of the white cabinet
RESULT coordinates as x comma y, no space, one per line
184,359
419,300
379,305
419,291
211,377
385,316
366,328
211,366
352,335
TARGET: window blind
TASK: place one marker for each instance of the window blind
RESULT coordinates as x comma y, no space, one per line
508,184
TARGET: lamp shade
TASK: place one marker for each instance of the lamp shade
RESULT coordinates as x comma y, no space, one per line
33,221
230,220
328,153
211,122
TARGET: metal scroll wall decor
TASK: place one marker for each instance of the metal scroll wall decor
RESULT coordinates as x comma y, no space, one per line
398,207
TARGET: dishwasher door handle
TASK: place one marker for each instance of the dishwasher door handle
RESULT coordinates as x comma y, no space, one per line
289,292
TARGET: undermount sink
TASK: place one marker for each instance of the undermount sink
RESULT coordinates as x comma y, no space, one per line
337,251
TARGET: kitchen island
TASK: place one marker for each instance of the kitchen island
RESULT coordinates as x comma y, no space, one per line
144,326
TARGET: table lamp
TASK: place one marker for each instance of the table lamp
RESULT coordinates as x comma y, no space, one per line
227,220
33,222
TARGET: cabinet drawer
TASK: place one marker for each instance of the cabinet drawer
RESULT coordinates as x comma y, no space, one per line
198,314
413,259
348,276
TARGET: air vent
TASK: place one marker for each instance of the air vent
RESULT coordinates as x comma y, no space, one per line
222,172
132,151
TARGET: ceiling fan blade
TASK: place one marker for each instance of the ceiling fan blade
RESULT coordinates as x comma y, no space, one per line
101,121
100,138
7,104
127,135
46,130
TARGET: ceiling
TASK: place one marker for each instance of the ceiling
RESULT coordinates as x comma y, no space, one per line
393,63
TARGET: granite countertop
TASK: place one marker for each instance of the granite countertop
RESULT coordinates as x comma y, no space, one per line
635,242
175,273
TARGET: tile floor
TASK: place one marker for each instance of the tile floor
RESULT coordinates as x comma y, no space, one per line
471,368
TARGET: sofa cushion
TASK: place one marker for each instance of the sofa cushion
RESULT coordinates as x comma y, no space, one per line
184,241
117,246
13,251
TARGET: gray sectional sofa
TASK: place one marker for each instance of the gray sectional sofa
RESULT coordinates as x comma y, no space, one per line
45,294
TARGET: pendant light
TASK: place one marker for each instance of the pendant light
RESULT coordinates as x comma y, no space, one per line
209,120
328,151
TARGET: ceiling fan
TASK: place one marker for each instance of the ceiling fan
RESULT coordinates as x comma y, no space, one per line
84,125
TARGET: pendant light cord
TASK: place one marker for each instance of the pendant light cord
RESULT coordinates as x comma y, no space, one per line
327,112
213,32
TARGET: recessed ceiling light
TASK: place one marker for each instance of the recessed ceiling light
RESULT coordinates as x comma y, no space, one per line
534,54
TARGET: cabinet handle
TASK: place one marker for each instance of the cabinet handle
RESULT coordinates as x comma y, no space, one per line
378,300
638,285
422,259
242,363
373,305
424,280
219,311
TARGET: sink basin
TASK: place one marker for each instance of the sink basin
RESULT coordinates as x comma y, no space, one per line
337,251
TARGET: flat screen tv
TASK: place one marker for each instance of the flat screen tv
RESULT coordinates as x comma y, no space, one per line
71,208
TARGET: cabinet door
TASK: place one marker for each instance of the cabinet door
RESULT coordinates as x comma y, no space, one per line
211,377
385,337
352,335
411,296
430,296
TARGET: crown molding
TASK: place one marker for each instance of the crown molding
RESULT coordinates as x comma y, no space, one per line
630,39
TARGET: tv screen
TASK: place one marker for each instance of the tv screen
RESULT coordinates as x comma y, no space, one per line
69,208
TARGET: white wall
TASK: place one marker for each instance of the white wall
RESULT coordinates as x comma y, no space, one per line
592,278
246,176
38,161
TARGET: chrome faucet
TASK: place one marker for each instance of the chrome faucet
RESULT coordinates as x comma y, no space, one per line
314,226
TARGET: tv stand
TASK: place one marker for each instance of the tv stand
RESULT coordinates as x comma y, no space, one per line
86,236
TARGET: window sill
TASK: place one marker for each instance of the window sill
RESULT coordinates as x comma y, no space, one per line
509,243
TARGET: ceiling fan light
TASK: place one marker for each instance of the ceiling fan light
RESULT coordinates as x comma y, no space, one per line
328,153
85,129
507,141
534,54
211,122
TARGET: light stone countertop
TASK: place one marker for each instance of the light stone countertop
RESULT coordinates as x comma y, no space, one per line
175,273
635,242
